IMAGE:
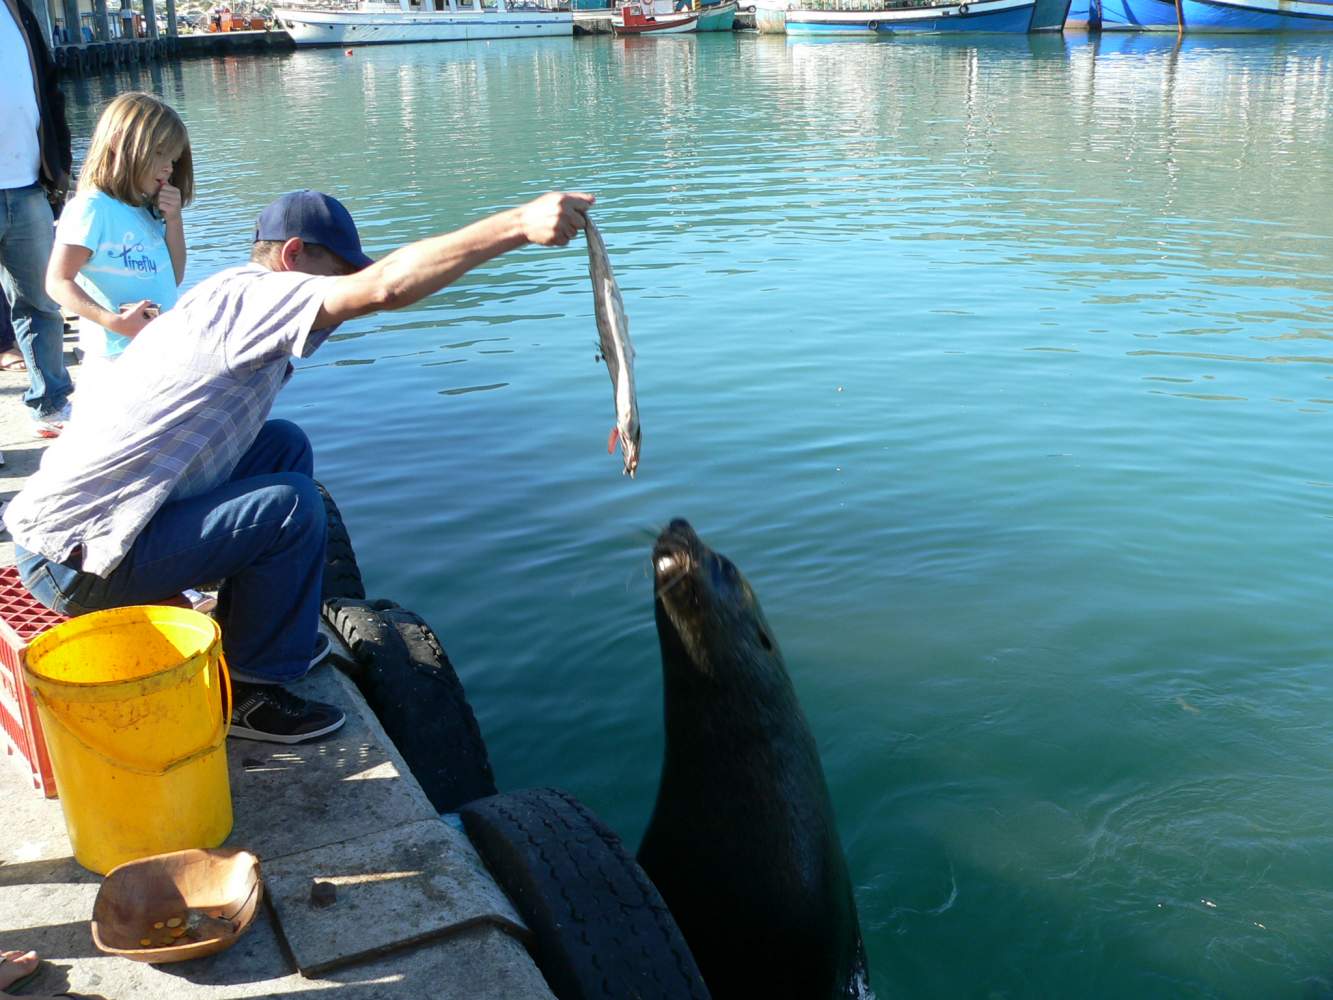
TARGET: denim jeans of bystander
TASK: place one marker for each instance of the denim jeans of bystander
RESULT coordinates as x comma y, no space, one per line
26,238
261,534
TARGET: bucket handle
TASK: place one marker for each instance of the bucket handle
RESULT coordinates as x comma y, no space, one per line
152,772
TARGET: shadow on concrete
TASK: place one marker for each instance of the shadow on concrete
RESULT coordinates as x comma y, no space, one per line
21,459
69,941
63,870
51,980
485,958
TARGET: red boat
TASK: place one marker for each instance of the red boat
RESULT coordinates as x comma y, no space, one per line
643,19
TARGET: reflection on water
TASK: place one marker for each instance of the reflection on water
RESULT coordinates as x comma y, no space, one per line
999,365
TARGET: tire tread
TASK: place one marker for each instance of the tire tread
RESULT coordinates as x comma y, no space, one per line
602,930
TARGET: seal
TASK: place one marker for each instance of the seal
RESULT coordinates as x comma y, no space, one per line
742,843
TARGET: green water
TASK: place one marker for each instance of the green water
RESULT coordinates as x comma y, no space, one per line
1000,366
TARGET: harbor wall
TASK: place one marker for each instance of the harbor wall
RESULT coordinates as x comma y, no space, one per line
94,57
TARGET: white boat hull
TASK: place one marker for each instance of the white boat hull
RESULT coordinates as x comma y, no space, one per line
937,17
321,27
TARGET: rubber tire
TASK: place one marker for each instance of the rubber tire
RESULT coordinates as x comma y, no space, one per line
601,930
358,624
342,576
405,676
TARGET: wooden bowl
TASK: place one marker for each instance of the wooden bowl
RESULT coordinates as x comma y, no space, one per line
212,895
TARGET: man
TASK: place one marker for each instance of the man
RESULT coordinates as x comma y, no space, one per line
172,476
34,166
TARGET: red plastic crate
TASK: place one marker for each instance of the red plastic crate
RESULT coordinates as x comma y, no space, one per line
22,619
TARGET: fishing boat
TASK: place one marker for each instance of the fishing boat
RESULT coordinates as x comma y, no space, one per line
854,17
717,16
1256,15
371,22
1138,15
653,17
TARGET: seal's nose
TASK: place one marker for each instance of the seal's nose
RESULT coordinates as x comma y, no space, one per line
670,558
673,550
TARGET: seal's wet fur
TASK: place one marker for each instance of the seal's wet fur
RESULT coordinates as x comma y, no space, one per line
742,843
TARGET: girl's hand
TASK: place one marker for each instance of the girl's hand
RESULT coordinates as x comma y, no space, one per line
169,201
133,317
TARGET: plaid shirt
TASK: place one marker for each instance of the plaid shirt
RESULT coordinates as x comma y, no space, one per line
172,416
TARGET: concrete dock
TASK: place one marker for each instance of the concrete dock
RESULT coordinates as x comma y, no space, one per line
415,914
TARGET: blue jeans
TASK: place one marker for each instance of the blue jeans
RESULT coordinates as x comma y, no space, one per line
261,534
26,237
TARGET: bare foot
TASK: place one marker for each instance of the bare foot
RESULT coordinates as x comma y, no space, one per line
16,965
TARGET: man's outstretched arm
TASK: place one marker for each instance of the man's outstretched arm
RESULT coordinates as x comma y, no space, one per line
423,268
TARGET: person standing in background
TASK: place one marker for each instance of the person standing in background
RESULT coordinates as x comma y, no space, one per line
35,161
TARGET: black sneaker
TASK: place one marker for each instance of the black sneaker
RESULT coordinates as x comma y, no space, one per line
272,714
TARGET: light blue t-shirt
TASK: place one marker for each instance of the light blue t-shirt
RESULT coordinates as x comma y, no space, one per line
130,262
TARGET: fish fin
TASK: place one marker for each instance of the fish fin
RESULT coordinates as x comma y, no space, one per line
611,441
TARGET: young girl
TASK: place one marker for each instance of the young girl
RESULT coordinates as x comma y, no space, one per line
120,246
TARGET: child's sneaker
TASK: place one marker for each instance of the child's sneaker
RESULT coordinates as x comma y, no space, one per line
51,424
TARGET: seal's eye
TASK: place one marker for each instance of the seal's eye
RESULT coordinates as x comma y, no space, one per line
765,641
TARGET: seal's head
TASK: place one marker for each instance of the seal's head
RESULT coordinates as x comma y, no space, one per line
708,619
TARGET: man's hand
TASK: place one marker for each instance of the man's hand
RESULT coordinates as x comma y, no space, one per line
553,219
133,317
169,201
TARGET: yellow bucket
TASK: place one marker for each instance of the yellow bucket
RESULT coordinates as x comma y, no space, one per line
131,701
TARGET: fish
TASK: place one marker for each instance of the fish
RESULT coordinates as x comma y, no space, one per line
615,349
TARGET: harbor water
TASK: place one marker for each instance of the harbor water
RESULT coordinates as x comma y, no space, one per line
1001,367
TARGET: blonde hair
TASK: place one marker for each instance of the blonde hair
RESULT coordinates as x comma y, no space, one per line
130,132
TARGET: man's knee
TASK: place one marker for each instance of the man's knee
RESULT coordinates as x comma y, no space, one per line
287,446
287,435
303,499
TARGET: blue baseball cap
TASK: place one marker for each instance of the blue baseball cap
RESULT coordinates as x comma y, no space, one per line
316,218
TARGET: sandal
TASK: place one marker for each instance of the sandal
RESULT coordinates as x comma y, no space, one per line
17,959
12,361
